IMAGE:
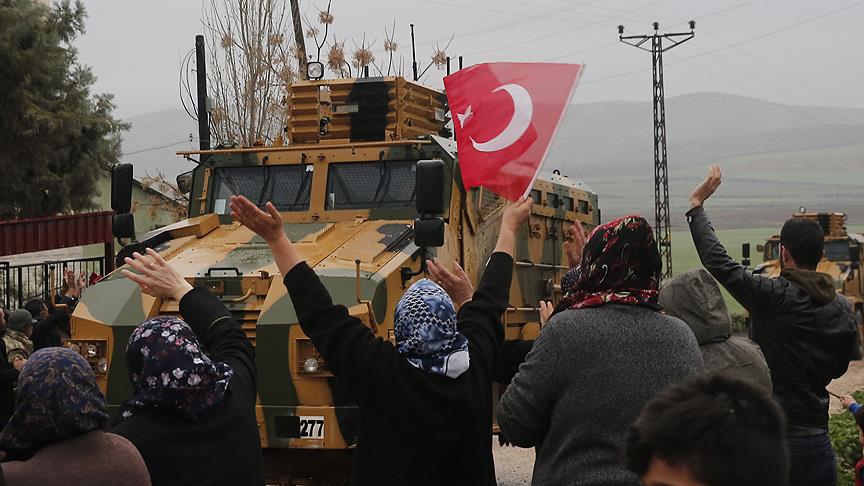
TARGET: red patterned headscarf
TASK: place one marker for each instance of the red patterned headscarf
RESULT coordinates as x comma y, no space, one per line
620,265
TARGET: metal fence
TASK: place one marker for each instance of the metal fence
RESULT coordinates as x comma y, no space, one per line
20,283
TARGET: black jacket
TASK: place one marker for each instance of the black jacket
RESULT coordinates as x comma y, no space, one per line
45,333
8,380
805,329
222,446
416,428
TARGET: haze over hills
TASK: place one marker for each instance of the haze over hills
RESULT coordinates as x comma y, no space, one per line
776,157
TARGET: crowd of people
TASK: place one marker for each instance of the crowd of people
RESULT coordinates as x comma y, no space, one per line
629,381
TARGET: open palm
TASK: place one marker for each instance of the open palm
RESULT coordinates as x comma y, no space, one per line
267,225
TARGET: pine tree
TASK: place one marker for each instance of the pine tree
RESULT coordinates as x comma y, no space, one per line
55,138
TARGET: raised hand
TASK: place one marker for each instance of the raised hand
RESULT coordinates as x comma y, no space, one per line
268,225
455,283
546,309
514,217
574,243
155,276
516,214
707,187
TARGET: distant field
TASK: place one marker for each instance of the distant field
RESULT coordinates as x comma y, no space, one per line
758,189
684,255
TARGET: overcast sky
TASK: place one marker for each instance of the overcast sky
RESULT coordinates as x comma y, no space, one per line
793,51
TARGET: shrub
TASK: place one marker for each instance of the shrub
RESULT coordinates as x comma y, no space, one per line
844,439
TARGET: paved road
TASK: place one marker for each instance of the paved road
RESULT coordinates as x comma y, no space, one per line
513,465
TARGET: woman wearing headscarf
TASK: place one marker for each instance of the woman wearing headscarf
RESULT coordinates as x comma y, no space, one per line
599,359
425,403
55,436
191,414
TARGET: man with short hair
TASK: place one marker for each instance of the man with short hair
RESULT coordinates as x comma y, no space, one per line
37,309
806,330
714,430
17,337
8,375
49,329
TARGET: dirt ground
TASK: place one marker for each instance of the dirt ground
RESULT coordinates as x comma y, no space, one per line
852,381
513,465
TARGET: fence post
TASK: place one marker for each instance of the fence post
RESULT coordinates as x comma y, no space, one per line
109,259
20,287
6,271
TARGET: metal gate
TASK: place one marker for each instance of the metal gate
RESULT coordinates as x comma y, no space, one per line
20,283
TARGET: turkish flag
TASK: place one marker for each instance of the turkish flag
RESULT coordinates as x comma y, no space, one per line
506,115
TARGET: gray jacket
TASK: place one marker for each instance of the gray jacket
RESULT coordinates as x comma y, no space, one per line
695,298
585,381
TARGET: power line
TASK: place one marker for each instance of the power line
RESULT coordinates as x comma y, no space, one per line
730,46
560,32
149,149
701,17
522,21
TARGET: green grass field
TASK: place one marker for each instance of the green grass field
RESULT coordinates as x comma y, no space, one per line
684,255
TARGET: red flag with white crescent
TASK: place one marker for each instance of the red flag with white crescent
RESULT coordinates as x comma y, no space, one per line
506,115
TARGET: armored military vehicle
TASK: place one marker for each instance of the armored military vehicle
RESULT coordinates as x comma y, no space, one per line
842,260
357,184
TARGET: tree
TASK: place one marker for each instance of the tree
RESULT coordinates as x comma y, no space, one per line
250,61
55,138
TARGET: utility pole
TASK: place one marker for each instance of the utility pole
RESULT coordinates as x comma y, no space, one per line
298,37
661,174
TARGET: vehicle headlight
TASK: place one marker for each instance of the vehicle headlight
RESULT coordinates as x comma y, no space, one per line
95,351
311,365
315,70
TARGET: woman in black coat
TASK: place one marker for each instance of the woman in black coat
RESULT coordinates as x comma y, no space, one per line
191,415
426,403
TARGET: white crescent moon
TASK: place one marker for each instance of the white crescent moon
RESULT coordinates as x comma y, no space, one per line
523,111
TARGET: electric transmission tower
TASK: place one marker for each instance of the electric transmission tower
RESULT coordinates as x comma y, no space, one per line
661,175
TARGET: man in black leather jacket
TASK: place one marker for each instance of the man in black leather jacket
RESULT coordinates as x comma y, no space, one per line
805,329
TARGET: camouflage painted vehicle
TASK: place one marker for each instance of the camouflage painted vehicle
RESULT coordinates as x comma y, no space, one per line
346,188
842,260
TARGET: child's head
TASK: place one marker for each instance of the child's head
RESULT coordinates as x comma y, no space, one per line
710,430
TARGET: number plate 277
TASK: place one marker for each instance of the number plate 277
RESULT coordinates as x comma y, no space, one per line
311,427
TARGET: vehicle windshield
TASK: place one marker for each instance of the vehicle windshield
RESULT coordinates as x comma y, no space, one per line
384,184
837,250
288,187
772,250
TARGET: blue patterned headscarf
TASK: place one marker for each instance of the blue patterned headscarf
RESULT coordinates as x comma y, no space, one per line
426,334
169,371
57,399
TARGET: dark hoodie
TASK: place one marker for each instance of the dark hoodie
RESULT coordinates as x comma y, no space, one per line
805,329
695,298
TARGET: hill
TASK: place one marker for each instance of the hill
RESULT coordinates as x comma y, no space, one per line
776,157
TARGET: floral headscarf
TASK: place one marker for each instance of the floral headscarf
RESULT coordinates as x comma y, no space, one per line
620,265
426,334
57,399
169,371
